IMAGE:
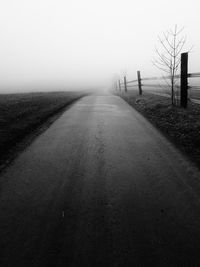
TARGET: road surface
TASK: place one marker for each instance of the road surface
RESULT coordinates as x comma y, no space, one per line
100,187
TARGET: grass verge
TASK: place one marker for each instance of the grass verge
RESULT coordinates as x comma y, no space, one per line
181,126
22,115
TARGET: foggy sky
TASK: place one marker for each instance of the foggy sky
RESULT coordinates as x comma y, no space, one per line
72,44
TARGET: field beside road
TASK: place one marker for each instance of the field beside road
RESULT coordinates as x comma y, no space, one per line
181,126
23,114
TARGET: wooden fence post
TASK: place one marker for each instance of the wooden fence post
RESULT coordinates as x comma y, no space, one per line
139,82
125,85
119,85
184,79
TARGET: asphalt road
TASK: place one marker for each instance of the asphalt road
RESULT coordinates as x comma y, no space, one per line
100,187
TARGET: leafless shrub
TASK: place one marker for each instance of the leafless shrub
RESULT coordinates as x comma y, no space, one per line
168,55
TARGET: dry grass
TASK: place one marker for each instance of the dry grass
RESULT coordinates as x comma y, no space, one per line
181,126
21,114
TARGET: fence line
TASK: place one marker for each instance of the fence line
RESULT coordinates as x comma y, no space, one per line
194,75
190,75
184,76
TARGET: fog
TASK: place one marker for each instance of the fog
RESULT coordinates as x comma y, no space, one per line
80,44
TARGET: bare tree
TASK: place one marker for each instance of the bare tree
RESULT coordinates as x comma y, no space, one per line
168,55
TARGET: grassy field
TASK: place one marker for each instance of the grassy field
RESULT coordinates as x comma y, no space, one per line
22,114
181,126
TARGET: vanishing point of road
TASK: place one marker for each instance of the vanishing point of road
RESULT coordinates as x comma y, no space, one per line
100,187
